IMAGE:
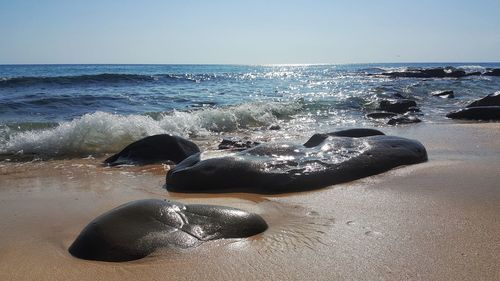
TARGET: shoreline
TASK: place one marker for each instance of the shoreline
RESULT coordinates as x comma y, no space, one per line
432,221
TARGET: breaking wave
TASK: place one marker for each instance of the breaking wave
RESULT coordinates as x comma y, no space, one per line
101,132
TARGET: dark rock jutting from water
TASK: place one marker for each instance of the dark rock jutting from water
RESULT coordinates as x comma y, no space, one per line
393,110
489,100
486,109
438,72
405,119
281,167
493,72
136,229
381,115
485,113
154,149
398,106
443,94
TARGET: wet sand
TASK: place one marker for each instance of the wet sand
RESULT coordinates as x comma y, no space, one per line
433,221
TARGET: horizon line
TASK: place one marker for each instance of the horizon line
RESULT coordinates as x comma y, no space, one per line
256,64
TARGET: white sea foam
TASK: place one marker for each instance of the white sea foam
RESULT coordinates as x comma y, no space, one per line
472,68
102,132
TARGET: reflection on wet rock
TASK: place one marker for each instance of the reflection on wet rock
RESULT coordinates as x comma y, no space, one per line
282,167
136,229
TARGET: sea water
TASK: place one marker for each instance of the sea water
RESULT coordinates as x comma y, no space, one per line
81,110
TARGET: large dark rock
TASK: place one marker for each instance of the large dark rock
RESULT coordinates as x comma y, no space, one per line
136,229
397,106
287,167
493,72
438,72
476,113
154,149
489,100
443,94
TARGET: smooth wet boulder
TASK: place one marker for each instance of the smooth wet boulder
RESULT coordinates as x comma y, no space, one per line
397,106
485,113
489,100
403,120
287,167
138,228
154,149
443,94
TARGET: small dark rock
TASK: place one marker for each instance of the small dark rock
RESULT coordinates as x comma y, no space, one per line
236,143
380,115
274,127
443,94
489,100
396,106
476,113
413,109
154,149
403,120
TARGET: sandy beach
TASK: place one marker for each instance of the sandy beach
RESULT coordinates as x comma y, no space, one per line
433,221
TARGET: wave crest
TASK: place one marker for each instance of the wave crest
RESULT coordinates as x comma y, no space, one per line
90,79
100,132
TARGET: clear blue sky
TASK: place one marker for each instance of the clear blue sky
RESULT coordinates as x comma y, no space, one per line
249,32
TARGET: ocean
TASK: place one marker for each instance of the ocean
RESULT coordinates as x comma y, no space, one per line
67,111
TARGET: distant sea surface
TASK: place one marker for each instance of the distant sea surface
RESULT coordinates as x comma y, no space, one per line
81,110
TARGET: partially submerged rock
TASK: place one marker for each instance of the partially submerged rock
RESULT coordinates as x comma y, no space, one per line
486,109
138,228
493,72
154,149
438,72
236,143
380,115
489,100
397,106
286,167
405,119
485,113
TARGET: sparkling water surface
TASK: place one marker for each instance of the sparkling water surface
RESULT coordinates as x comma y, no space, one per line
92,109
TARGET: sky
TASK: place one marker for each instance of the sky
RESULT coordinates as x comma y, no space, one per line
248,32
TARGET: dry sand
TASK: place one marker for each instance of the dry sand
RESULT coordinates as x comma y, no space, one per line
438,220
